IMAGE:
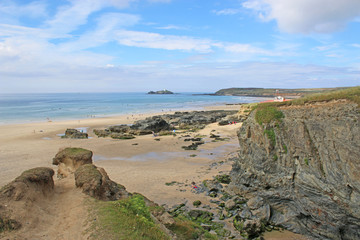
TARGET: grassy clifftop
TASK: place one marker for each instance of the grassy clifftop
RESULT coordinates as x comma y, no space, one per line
270,92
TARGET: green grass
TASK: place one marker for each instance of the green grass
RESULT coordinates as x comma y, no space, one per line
124,219
285,149
266,114
270,133
75,151
352,94
306,160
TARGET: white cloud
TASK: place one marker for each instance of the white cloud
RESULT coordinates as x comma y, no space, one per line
248,49
70,17
169,27
355,45
104,31
160,1
168,42
306,16
326,47
228,11
10,11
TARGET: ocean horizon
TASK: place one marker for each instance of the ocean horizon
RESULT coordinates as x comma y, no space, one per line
40,107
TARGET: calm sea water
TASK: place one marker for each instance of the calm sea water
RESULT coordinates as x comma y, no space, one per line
23,108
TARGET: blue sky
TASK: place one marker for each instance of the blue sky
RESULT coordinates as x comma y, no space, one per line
181,45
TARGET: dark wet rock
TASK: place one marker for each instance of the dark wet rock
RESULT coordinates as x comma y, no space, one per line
75,134
119,128
203,216
223,122
193,146
70,159
96,183
102,133
253,228
213,185
224,178
193,139
197,203
165,124
177,210
155,124
214,135
123,136
305,168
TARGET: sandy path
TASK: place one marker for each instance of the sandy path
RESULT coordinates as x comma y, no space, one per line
57,217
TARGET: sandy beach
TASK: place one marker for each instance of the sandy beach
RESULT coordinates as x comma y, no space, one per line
156,167
142,164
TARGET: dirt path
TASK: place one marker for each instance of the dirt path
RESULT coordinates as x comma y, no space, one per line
58,217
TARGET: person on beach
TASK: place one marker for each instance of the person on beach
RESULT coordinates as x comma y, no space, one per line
193,185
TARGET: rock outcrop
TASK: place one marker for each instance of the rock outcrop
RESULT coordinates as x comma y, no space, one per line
305,168
17,197
161,92
70,159
96,183
31,184
163,124
74,133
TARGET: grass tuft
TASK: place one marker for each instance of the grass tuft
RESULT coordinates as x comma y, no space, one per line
125,219
266,114
270,133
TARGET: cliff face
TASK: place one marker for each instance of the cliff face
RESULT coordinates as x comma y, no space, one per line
306,167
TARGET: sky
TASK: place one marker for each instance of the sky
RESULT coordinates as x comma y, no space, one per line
180,45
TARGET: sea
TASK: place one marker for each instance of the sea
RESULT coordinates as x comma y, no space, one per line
40,107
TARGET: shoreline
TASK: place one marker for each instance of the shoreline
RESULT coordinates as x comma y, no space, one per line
29,145
160,170
119,115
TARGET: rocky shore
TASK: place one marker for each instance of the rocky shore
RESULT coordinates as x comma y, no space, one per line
166,124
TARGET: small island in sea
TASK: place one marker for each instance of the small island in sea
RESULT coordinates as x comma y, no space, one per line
161,92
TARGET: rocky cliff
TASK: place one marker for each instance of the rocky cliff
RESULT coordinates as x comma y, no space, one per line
305,164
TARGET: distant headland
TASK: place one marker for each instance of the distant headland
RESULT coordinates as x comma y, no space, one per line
272,92
161,92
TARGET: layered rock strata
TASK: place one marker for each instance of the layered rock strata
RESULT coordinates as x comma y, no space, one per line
306,167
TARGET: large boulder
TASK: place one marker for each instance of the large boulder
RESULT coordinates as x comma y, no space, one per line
74,133
70,159
96,183
155,124
30,184
18,197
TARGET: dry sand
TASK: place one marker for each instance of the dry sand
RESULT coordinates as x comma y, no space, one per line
142,165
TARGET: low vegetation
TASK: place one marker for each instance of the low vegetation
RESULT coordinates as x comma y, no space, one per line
270,133
124,219
266,114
